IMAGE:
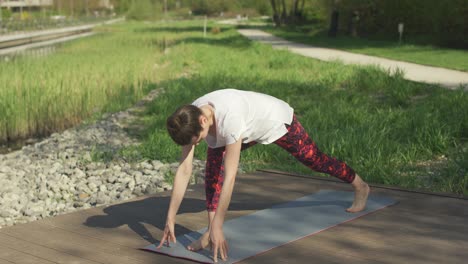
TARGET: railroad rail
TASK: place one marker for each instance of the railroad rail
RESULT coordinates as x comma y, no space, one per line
15,42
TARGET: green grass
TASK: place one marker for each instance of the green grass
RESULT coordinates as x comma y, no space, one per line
105,72
381,124
407,51
389,130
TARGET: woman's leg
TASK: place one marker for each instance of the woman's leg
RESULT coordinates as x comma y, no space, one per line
303,148
214,171
214,178
214,175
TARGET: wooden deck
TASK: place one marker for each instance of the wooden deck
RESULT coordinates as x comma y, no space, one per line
421,228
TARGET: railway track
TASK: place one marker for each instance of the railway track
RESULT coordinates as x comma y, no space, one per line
19,42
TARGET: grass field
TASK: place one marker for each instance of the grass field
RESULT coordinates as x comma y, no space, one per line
40,95
389,130
409,51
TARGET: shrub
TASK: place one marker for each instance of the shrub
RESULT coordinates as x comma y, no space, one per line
215,30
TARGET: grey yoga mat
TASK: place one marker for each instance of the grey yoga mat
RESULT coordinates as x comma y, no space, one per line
264,230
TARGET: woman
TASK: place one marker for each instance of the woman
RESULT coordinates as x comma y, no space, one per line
230,121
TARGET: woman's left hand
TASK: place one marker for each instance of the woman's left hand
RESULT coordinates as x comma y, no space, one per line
218,242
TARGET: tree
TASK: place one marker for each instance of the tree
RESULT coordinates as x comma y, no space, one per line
276,17
281,15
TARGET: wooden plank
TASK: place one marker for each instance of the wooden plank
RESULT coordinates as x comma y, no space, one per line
419,229
10,255
134,224
105,227
73,244
372,247
305,253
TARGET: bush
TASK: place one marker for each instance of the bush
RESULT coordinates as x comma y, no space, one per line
443,21
215,30
144,10
6,14
182,13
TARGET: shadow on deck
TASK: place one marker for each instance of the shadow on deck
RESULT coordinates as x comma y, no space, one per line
420,228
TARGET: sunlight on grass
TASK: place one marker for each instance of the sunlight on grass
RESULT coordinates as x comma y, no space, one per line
382,125
377,122
421,54
106,72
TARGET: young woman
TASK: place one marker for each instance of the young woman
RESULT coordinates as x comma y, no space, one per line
230,121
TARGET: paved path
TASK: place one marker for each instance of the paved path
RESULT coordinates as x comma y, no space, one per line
414,72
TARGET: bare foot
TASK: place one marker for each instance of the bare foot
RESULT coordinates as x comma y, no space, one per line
201,243
361,192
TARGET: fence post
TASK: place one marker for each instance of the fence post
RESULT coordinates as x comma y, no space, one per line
1,11
400,31
204,27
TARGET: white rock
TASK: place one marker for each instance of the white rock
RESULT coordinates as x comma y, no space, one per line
131,184
146,165
92,187
79,173
57,175
103,188
5,169
112,179
157,164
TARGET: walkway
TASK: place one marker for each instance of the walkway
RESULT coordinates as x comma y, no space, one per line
414,72
13,43
420,228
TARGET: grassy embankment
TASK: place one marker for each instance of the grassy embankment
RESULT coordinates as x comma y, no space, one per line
110,71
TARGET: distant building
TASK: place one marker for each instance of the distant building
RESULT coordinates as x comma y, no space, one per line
14,4
44,3
105,4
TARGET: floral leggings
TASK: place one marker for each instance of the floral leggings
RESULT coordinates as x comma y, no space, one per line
296,141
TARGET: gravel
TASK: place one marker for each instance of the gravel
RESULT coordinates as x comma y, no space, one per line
58,175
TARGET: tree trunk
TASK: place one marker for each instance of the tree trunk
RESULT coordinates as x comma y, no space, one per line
276,17
72,13
301,10
294,15
333,24
284,12
296,8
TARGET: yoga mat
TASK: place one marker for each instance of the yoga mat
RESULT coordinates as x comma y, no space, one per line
264,230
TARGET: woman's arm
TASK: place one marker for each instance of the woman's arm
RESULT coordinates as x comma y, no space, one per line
231,164
181,180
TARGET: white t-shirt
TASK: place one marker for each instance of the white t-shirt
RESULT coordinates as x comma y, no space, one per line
246,116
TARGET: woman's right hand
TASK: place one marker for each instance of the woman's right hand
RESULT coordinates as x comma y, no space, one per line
169,234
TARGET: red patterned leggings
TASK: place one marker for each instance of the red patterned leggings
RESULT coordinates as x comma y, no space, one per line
296,141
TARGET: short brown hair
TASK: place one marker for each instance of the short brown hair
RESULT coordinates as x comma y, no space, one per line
184,124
